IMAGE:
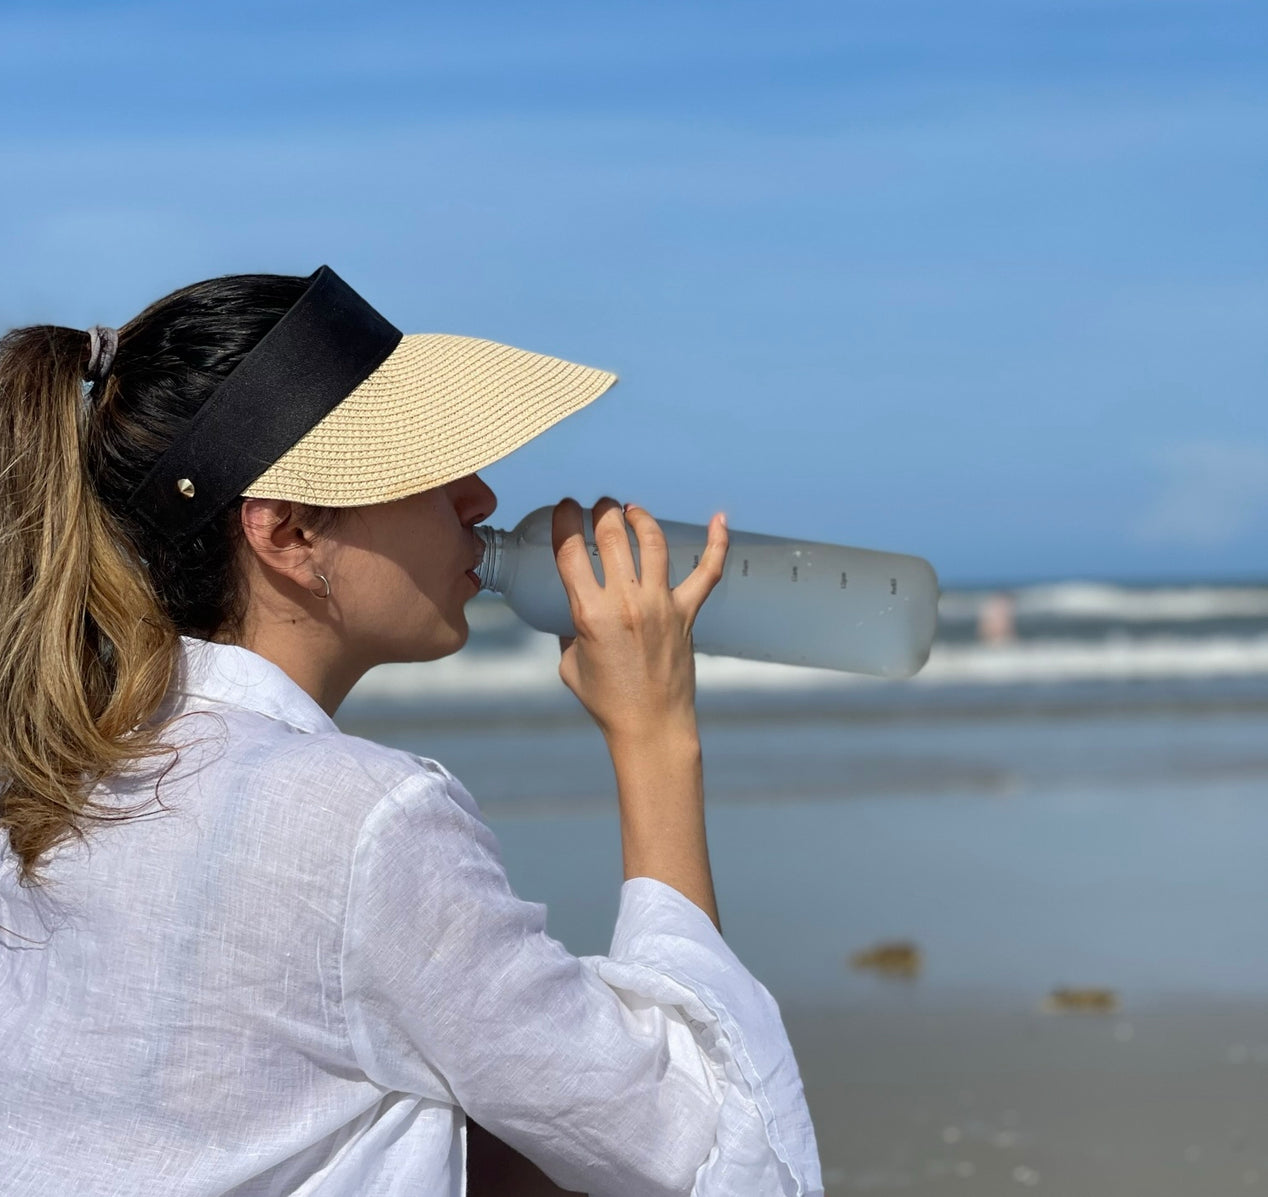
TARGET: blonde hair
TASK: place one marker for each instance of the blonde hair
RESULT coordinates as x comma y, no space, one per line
86,651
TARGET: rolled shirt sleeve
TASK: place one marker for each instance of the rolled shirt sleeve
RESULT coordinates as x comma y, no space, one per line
662,1068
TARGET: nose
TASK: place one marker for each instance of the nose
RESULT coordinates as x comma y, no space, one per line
473,499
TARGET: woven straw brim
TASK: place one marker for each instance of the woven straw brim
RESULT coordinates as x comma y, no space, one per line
439,408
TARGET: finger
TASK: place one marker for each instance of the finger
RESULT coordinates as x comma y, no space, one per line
653,552
698,585
612,539
572,558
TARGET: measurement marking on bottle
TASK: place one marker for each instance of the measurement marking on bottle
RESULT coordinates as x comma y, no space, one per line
744,569
794,573
893,586
845,581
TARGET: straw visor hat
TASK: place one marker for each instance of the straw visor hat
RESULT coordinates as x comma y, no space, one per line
335,407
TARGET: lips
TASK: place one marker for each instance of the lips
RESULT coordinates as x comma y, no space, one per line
471,573
478,546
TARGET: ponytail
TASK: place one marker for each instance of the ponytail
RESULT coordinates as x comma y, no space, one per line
86,650
92,600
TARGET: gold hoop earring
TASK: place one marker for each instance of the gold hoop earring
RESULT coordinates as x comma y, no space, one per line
326,593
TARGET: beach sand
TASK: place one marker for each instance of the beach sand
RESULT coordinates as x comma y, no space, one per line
1163,1102
953,1079
1116,846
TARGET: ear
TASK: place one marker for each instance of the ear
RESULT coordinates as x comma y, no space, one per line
277,540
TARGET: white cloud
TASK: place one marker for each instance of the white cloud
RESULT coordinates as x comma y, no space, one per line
1212,494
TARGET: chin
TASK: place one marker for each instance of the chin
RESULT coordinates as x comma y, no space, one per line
462,633
445,641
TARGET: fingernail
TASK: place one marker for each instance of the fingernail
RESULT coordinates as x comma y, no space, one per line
723,515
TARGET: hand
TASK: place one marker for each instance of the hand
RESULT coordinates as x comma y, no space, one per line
630,663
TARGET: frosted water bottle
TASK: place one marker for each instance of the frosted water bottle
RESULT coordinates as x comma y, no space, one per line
793,601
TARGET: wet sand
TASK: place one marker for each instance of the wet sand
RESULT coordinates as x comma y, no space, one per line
1163,1102
1095,847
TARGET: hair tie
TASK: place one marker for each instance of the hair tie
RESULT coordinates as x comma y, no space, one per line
103,344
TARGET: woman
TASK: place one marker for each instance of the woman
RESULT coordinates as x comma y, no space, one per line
244,953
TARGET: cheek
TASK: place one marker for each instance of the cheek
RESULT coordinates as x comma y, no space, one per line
408,592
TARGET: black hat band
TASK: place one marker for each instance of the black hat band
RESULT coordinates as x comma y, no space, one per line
329,343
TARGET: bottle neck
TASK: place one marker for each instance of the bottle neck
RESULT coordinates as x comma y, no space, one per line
489,571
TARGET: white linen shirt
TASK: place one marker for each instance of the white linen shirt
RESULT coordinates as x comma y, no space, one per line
300,974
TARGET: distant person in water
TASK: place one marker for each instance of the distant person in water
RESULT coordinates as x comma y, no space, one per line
997,619
243,953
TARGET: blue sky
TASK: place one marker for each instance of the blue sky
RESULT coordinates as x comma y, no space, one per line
984,281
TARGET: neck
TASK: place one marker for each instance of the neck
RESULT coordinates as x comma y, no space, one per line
308,649
313,666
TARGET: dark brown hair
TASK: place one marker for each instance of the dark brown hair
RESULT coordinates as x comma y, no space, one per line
92,602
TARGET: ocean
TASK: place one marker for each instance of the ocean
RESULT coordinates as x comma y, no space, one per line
1046,634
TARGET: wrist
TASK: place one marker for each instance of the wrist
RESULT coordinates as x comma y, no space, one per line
659,778
657,737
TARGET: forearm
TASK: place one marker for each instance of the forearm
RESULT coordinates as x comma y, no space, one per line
660,786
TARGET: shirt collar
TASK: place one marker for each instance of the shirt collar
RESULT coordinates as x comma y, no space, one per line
237,677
